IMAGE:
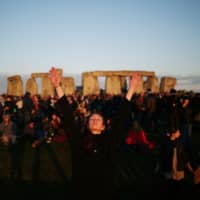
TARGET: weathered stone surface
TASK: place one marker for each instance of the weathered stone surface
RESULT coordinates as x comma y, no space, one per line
31,86
167,83
119,73
90,84
45,74
68,85
15,85
15,77
123,82
152,83
47,88
115,81
39,75
113,85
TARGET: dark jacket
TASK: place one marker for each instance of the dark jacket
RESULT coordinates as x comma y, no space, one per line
166,155
93,156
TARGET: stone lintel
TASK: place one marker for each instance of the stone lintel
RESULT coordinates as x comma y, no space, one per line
119,73
16,77
42,75
39,75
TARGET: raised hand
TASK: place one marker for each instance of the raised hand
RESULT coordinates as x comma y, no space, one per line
55,77
134,82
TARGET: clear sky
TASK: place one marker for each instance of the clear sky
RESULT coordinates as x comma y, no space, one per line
87,35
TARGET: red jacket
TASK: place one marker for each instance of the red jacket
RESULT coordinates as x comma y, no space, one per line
138,137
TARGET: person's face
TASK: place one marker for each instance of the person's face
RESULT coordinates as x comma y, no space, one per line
6,118
31,125
96,124
186,102
175,135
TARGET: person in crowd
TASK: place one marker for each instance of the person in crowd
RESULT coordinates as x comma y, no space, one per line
54,130
7,130
137,138
2,100
185,115
8,133
174,161
93,151
196,179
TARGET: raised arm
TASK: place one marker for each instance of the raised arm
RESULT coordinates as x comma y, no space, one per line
63,106
133,85
56,78
122,117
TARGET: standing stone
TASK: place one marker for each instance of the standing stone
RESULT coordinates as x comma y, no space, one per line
123,82
167,83
15,85
90,84
68,85
152,84
31,86
47,88
113,85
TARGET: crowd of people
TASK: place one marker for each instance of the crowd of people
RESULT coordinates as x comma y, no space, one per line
97,127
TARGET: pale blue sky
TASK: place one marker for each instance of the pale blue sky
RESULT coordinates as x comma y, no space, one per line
87,35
